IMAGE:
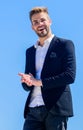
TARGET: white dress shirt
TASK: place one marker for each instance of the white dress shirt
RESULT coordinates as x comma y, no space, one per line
36,97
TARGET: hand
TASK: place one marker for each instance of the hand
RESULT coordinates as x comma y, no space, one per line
25,78
30,80
35,81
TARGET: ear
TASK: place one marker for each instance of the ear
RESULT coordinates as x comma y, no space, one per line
32,27
50,21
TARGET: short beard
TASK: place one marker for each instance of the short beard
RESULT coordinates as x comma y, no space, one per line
43,34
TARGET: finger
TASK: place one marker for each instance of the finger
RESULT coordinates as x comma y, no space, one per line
22,80
21,74
30,74
29,84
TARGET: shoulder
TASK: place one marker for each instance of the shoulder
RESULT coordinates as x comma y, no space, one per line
63,43
30,50
62,40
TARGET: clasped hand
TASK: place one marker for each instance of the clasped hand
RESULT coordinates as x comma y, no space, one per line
30,80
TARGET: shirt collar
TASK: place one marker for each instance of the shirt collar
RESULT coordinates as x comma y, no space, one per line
46,42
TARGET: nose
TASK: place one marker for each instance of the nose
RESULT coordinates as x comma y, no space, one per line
40,22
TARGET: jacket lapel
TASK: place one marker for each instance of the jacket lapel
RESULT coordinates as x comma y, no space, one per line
52,44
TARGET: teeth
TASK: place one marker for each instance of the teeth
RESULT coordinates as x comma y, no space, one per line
41,28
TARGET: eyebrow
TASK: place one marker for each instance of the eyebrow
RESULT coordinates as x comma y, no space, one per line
37,19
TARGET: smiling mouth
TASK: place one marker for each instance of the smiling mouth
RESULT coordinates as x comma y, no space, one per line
42,29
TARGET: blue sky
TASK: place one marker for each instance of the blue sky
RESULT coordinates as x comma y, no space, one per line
16,36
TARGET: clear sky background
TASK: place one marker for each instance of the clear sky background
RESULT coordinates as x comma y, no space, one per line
16,36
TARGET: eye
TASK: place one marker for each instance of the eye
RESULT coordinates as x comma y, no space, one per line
43,20
35,22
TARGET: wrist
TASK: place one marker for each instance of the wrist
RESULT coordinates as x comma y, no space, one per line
39,83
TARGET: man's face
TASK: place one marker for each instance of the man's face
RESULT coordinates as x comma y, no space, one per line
41,24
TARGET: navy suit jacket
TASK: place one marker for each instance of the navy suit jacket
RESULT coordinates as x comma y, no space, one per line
57,74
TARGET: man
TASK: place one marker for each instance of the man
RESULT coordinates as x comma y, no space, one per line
49,71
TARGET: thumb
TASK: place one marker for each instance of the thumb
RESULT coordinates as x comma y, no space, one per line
30,74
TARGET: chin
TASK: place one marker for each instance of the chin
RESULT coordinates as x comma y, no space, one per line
42,35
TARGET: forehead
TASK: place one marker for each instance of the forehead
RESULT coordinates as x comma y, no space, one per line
39,16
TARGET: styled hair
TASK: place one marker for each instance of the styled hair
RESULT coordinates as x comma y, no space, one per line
37,10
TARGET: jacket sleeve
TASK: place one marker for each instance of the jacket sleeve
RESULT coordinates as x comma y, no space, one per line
27,64
69,69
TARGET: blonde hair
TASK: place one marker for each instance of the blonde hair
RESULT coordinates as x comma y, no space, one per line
37,10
